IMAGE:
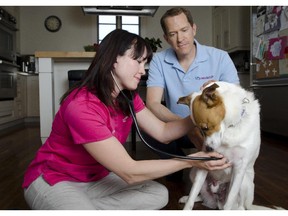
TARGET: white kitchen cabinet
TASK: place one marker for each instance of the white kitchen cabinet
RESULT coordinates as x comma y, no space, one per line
7,113
20,101
16,109
33,96
25,107
26,104
231,28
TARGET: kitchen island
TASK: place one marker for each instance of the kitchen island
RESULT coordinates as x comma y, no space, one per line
53,70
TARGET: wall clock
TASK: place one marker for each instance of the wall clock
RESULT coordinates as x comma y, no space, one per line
52,23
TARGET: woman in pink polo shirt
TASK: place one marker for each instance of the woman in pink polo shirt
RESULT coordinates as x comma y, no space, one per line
83,164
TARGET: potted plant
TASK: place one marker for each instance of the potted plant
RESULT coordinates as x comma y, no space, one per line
91,48
154,43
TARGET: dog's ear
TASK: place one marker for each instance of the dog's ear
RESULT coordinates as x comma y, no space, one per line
209,95
185,100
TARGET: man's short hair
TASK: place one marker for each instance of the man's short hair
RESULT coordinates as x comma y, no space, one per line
174,12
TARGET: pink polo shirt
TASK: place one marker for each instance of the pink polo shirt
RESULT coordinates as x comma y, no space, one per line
81,119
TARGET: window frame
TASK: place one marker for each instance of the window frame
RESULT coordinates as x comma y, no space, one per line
118,25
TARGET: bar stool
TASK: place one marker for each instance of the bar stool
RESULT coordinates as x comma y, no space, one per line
75,76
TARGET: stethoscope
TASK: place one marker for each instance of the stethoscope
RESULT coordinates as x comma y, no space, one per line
132,112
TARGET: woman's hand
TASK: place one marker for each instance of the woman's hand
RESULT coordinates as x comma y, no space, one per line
212,164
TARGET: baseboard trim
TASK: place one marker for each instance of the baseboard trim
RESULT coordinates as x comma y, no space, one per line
18,124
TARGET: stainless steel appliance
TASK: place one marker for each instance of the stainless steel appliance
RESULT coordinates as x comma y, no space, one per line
27,63
269,65
7,36
8,85
8,66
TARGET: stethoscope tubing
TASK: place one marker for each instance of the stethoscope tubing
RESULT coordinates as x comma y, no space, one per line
131,108
132,111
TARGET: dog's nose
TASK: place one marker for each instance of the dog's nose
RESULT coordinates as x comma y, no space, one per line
209,149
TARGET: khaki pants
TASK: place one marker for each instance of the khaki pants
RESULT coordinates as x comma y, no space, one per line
111,193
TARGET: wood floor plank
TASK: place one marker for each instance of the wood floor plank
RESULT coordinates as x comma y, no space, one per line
17,149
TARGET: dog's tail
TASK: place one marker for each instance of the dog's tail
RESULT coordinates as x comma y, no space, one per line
258,207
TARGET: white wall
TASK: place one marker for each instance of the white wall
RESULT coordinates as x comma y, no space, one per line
79,29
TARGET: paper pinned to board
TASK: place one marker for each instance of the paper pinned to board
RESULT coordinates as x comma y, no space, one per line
272,23
267,69
284,18
276,48
260,22
260,48
283,65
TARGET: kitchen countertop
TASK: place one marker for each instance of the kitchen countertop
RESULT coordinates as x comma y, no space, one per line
27,74
62,54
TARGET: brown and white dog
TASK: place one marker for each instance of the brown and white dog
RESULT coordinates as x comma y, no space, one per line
228,115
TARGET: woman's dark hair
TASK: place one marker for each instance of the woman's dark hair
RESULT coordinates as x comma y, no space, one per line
98,78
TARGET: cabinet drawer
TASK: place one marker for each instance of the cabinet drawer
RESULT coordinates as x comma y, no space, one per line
6,111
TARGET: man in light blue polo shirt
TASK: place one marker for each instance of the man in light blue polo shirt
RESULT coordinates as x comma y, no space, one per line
181,70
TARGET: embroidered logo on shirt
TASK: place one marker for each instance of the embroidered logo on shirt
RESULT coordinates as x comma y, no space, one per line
204,77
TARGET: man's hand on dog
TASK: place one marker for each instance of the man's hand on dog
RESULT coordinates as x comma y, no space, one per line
207,83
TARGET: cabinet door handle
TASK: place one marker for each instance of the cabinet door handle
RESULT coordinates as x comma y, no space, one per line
217,42
6,113
226,39
9,63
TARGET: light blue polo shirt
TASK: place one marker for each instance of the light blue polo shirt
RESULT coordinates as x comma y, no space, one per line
209,64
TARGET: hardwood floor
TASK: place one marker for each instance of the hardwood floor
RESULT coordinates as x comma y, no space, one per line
16,151
18,148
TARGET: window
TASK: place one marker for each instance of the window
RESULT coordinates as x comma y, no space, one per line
107,24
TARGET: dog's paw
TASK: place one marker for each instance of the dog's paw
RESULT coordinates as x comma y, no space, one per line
183,199
199,199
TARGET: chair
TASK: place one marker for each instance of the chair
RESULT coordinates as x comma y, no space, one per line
75,76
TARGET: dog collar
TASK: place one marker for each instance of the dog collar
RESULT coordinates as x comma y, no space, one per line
243,112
